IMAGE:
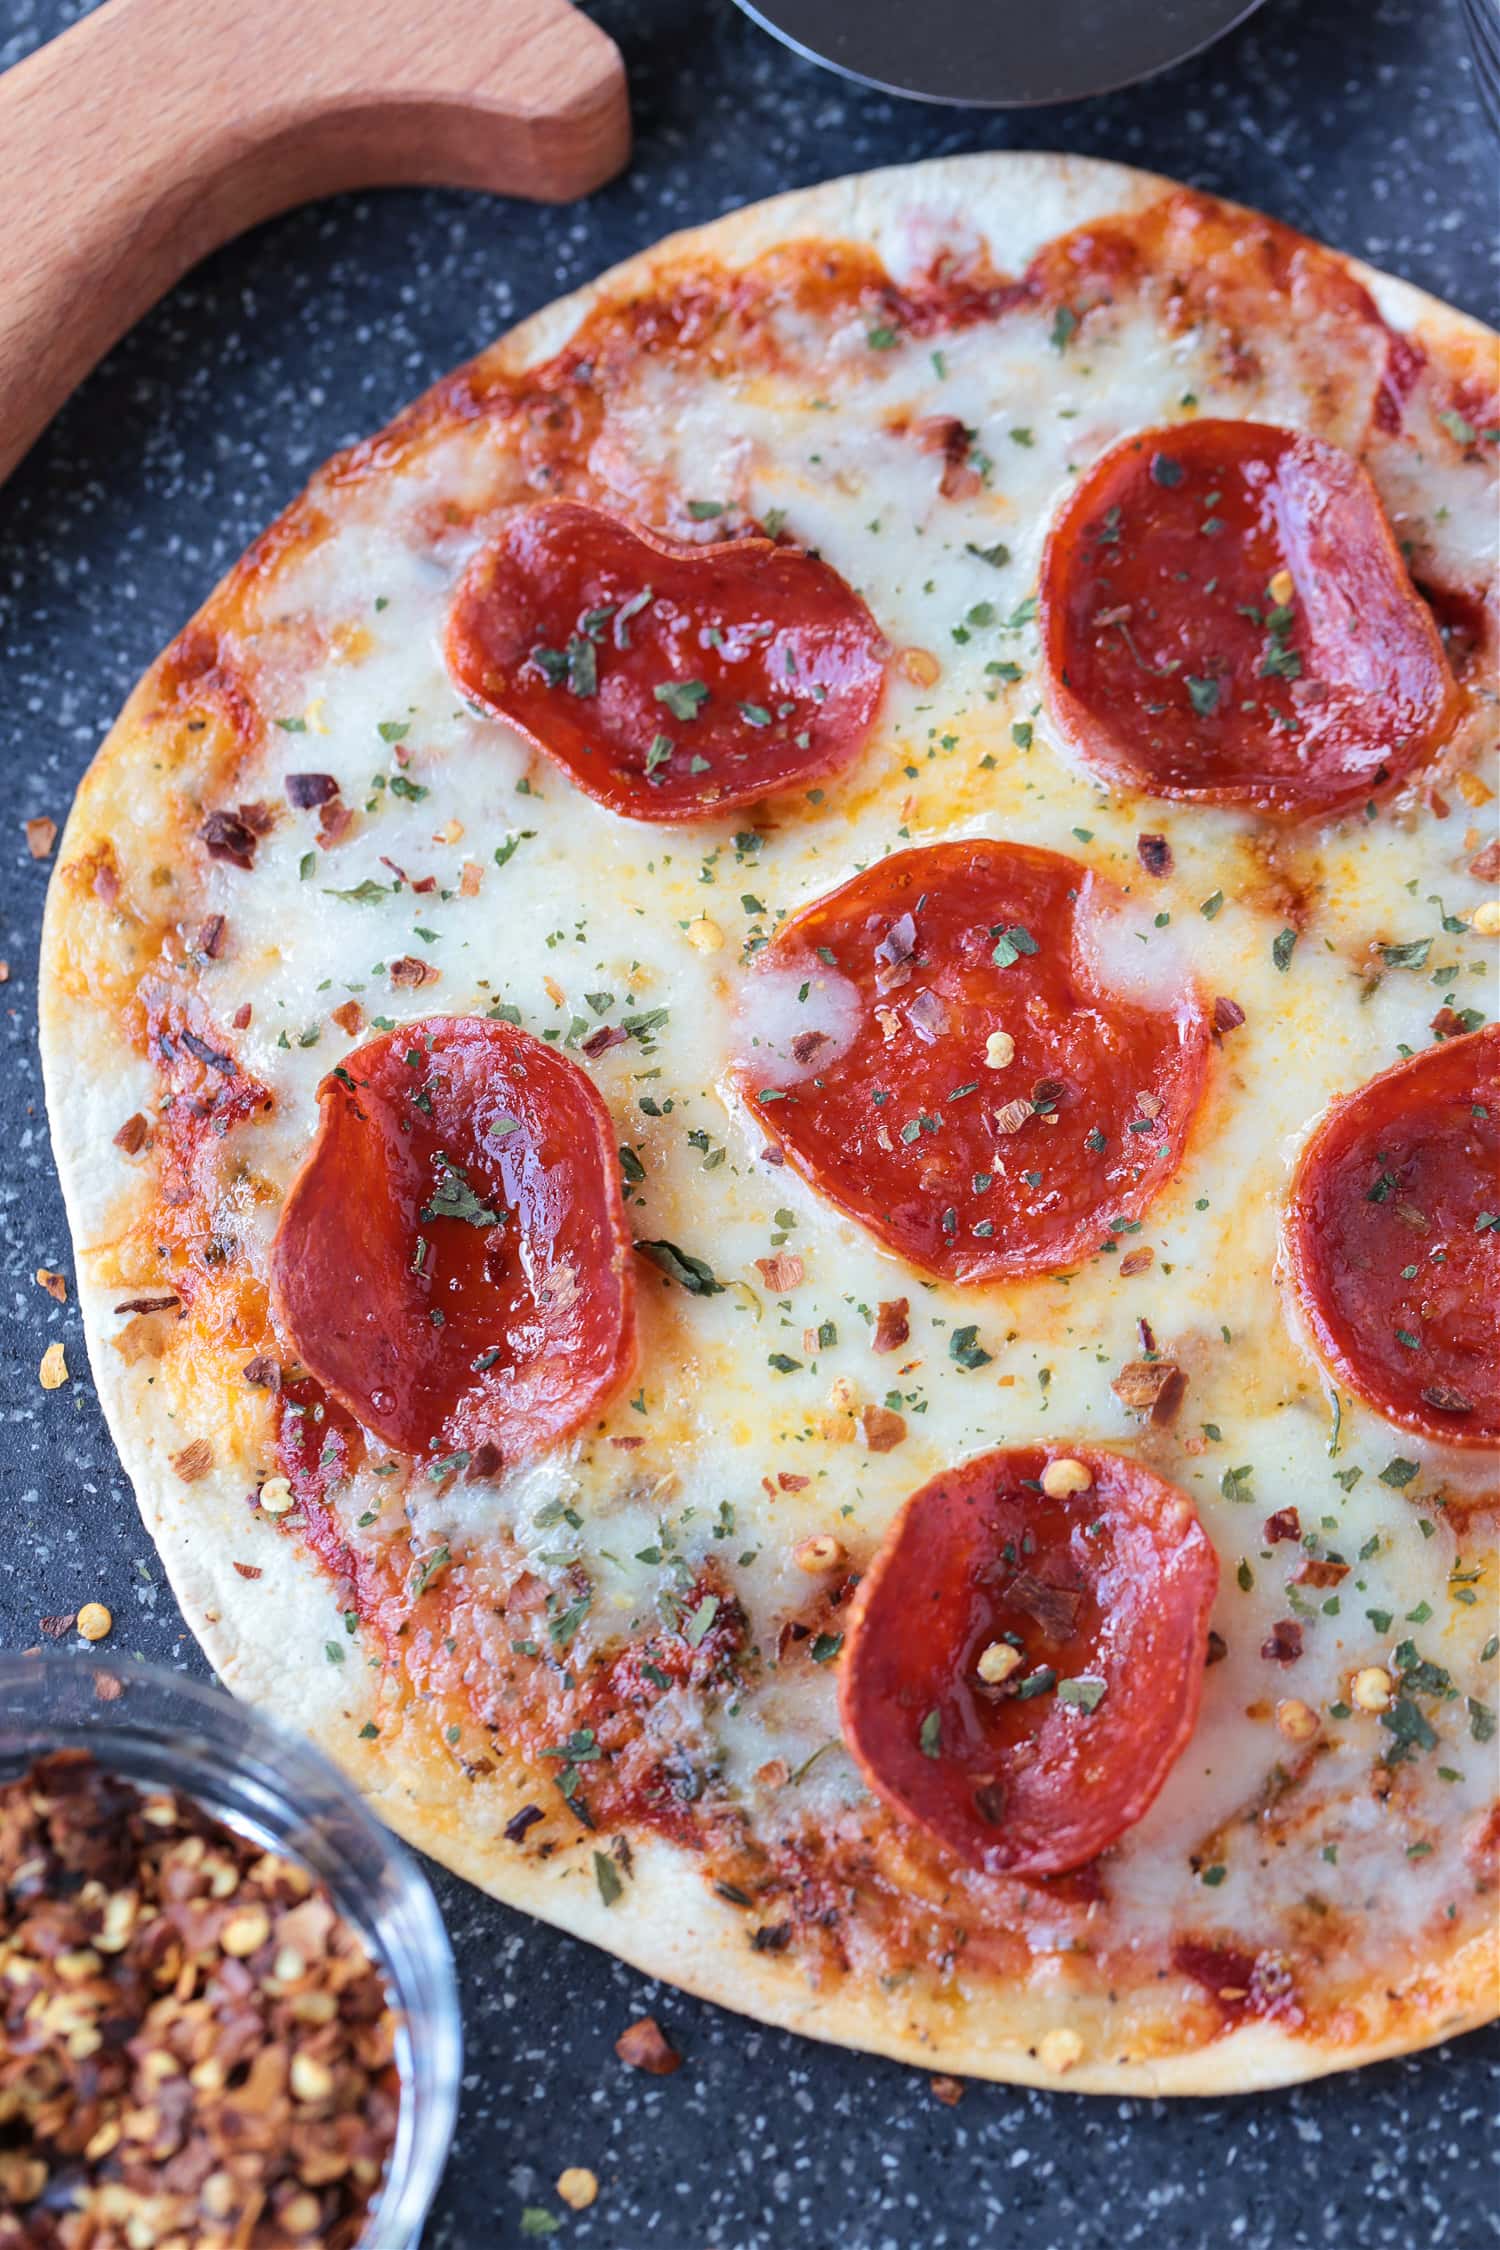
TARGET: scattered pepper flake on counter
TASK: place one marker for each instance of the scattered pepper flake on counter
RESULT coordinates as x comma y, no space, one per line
645,2046
41,835
53,1372
577,2186
55,1284
194,2046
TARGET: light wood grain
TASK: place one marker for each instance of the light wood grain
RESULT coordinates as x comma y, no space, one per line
154,130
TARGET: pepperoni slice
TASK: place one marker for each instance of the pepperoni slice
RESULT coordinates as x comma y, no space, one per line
1393,1241
1227,617
452,1261
1021,1672
937,1047
671,682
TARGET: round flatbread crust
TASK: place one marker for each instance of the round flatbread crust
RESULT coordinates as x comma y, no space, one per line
265,1635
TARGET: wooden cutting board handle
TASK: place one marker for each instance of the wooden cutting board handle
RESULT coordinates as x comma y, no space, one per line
153,130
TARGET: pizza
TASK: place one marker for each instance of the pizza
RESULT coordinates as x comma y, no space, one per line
772,1056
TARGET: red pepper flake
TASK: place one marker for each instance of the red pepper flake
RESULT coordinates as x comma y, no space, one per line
407,973
1285,1524
1154,854
309,790
884,1429
334,823
227,837
892,1328
782,1272
1283,1645
263,1373
945,434
133,1135
1228,1015
106,877
1053,1608
1152,1387
1317,1570
211,937
645,2046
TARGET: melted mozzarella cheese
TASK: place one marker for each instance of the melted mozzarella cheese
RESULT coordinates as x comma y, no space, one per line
580,918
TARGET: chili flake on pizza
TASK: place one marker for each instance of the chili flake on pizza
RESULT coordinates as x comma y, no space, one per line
771,1056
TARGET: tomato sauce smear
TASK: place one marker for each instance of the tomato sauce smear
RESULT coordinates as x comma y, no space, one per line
1227,618
936,1047
1392,1241
669,681
1021,1672
452,1262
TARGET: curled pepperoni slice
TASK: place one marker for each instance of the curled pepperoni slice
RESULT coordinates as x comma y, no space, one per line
949,1050
1227,617
1021,1672
671,682
1392,1241
452,1261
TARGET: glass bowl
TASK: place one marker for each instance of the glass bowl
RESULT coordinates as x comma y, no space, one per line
167,1732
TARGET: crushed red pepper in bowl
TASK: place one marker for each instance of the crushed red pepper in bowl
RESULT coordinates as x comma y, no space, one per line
195,2046
227,2012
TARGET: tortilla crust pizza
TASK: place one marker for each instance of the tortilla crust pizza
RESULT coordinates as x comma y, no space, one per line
771,1053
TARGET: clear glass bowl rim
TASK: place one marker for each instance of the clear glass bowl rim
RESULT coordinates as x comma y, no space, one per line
168,1730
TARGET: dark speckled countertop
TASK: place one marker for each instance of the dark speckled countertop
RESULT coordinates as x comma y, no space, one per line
1358,122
